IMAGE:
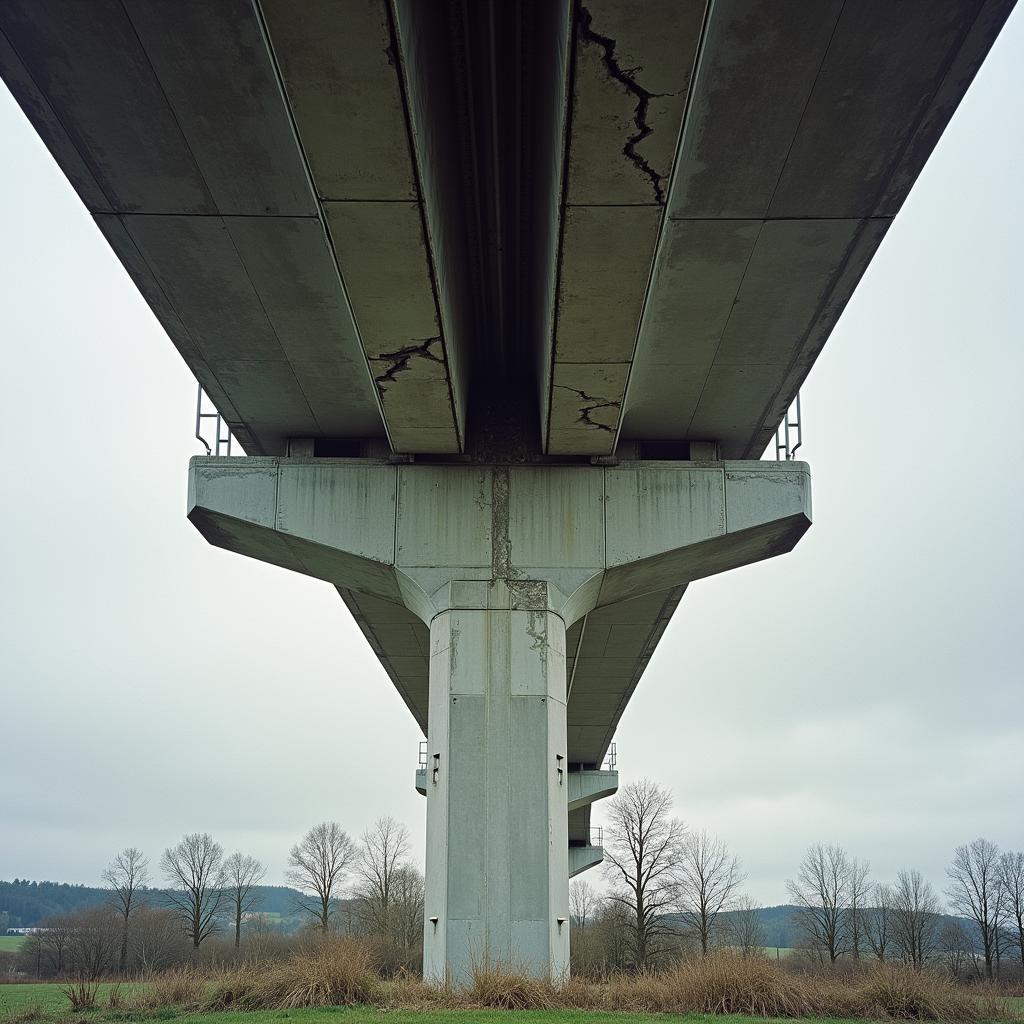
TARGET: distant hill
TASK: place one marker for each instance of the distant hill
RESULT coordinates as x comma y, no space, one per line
777,925
27,903
781,930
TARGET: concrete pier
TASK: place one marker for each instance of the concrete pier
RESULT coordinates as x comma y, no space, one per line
498,562
497,828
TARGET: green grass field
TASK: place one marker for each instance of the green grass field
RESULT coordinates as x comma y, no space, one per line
51,1001
11,943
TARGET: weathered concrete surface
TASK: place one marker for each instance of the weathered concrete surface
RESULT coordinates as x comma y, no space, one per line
600,534
498,561
591,530
632,71
795,151
345,220
768,231
497,827
242,180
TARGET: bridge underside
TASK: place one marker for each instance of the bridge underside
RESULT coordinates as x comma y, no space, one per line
497,230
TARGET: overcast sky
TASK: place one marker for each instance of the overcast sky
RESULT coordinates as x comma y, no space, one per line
866,689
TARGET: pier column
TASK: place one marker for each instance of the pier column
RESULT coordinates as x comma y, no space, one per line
497,832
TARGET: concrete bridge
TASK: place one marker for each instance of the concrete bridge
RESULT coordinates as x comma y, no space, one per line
504,300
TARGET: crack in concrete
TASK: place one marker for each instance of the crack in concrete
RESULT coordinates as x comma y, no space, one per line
586,410
625,77
536,630
401,358
501,543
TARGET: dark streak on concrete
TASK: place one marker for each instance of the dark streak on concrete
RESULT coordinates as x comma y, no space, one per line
625,77
591,403
401,358
501,545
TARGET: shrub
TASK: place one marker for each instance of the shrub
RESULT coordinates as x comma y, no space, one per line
82,994
115,997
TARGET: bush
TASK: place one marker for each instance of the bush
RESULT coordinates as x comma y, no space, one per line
82,994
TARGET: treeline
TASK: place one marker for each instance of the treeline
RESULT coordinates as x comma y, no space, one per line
24,904
213,902
668,890
671,889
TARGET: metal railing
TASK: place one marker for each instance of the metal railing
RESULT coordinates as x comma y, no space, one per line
790,435
222,433
611,759
596,835
423,756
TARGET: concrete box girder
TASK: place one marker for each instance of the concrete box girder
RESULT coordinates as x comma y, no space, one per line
621,279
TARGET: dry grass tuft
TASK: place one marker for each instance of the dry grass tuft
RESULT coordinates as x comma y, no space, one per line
342,972
508,987
408,991
900,993
115,997
82,994
337,972
730,983
25,1014
181,986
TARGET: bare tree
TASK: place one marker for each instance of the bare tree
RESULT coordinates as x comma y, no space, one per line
95,937
821,892
158,941
742,926
384,850
582,900
127,874
242,874
708,878
195,871
1011,878
642,844
915,918
955,947
975,891
878,922
608,944
317,865
54,940
407,907
860,887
